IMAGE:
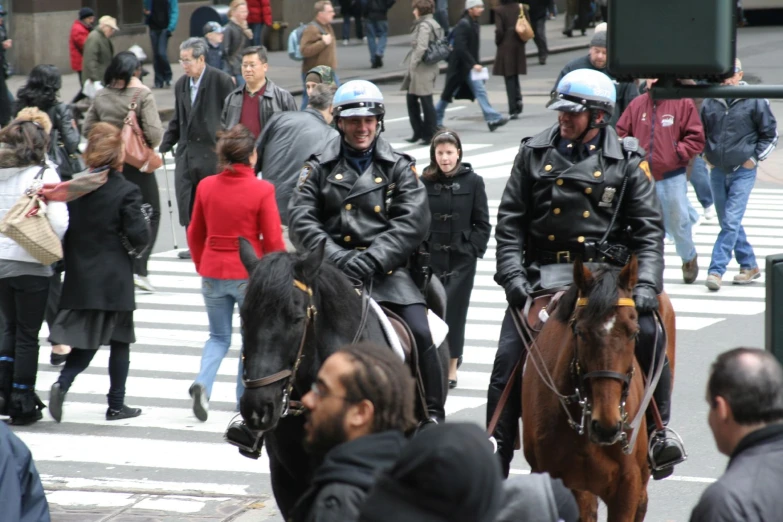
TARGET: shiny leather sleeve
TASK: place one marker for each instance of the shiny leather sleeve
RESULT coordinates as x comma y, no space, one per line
510,231
304,217
644,216
409,220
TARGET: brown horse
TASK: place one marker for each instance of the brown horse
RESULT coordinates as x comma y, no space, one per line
582,386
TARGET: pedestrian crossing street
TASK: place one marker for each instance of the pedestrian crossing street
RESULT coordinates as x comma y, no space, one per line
88,461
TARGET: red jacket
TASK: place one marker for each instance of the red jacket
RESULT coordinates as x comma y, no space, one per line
677,130
228,206
259,12
79,34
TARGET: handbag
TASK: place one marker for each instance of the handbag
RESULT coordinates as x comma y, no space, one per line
27,224
137,153
523,27
438,50
67,164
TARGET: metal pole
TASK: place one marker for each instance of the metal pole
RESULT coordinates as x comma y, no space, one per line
171,208
671,92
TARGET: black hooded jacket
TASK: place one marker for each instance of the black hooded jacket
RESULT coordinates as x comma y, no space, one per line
340,484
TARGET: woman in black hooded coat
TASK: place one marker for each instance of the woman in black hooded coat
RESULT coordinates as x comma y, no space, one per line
459,232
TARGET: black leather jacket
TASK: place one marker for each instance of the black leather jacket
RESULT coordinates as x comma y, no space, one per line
276,99
382,213
551,205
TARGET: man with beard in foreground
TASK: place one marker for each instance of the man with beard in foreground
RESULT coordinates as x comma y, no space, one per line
358,411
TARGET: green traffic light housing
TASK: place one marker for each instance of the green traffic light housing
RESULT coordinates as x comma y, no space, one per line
694,39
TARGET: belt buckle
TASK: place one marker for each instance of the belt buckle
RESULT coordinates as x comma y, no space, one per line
566,256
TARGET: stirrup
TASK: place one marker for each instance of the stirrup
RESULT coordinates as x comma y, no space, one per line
246,440
658,438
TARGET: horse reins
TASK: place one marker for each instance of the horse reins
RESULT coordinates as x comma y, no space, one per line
290,406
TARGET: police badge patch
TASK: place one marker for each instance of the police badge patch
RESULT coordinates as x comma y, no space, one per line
304,174
607,197
646,169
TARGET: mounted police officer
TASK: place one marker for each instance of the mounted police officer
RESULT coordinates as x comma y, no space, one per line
366,201
565,186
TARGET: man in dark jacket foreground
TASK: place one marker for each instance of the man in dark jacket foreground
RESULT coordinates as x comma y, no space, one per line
446,473
745,396
21,494
288,139
357,412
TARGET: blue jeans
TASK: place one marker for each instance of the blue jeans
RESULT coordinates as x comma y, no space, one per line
160,57
377,29
700,179
347,27
673,194
258,32
731,191
480,92
220,296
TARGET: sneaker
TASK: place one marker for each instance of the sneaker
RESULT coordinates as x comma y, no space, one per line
690,270
200,401
143,283
345,42
713,282
126,412
747,275
364,39
668,240
709,213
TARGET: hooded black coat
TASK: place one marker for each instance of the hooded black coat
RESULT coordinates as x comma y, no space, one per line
467,37
340,484
459,233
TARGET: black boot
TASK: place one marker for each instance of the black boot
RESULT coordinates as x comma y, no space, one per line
25,406
6,380
507,428
665,446
434,383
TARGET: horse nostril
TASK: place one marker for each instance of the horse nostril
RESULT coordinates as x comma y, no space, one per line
604,433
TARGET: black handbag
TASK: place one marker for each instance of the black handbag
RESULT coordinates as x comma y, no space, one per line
67,164
438,50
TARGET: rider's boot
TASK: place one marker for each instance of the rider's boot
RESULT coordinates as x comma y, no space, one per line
665,447
434,383
6,380
507,427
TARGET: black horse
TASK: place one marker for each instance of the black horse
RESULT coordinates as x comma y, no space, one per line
298,310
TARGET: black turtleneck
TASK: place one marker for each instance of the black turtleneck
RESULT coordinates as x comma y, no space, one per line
358,159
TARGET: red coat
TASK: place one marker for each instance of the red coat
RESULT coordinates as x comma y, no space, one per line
259,12
228,206
678,133
79,34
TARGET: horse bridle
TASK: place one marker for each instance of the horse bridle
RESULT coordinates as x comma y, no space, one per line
582,379
289,407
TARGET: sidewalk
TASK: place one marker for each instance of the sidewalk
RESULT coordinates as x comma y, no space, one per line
353,63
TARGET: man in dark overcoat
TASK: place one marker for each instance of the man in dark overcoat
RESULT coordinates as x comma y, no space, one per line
199,98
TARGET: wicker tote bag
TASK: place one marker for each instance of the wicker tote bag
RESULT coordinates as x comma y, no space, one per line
137,152
27,224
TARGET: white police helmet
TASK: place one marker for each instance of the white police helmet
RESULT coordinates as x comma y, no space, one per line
358,98
584,90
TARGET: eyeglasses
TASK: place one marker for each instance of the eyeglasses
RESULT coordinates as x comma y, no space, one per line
322,394
737,69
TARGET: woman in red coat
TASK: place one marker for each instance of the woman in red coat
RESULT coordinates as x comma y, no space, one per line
228,206
259,19
80,30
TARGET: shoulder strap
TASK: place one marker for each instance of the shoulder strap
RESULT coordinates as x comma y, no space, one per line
40,172
134,101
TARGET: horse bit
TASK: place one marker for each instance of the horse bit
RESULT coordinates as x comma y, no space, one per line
290,407
580,396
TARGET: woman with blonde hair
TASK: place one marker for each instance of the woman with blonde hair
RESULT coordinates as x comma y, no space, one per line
236,36
97,304
24,281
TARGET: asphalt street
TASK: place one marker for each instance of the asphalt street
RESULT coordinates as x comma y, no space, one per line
167,452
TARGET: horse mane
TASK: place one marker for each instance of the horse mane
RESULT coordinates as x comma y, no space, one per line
602,295
271,288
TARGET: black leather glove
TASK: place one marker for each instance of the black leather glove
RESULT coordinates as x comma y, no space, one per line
517,292
165,147
359,267
646,299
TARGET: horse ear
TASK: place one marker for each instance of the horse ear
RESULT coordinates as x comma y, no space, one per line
583,277
629,275
247,255
313,261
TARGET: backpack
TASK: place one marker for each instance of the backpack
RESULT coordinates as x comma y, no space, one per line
295,41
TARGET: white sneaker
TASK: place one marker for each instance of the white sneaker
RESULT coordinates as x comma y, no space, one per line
364,39
668,240
345,42
709,213
143,283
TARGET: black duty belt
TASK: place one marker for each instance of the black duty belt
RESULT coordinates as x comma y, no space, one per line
545,257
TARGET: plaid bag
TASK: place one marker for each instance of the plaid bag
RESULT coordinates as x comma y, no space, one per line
27,224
